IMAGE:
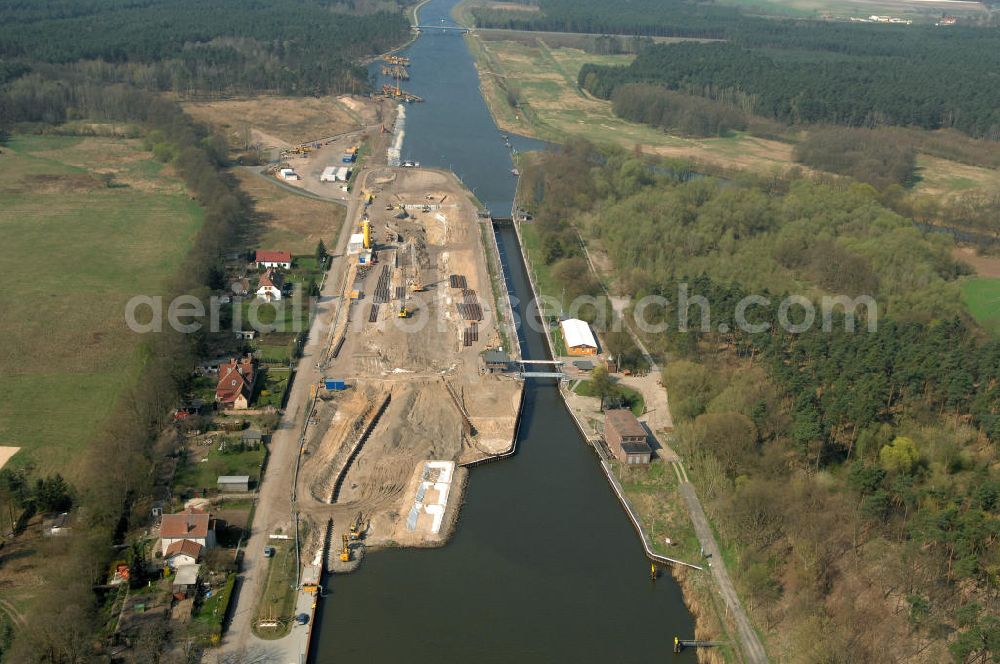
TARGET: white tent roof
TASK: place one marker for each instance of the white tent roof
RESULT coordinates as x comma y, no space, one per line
577,333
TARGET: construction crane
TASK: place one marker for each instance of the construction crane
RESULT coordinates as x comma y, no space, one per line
345,551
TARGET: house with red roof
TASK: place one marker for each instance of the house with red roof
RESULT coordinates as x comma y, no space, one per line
269,286
182,552
193,525
235,386
276,259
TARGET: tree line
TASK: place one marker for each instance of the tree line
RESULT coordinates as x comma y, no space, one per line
675,112
188,46
868,155
112,494
833,460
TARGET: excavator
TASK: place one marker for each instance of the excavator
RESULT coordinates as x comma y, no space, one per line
345,551
403,312
356,528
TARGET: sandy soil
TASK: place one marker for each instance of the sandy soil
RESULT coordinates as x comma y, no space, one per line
985,266
281,121
434,381
6,453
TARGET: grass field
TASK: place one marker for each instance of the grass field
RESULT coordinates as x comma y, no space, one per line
982,298
205,474
554,108
278,600
287,221
86,224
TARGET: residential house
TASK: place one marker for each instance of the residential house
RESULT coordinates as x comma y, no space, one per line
192,524
235,386
626,437
278,259
269,286
182,552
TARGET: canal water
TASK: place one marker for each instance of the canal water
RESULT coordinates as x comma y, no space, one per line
544,565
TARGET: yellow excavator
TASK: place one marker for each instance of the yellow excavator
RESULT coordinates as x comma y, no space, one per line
356,527
345,551
403,312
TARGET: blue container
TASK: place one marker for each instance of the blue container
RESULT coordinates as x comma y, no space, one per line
331,384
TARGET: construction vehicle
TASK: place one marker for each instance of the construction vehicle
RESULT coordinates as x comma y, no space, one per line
345,551
356,527
403,312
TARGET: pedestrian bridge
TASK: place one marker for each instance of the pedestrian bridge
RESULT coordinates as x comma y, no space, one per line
450,28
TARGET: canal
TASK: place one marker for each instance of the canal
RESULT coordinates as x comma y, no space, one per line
544,565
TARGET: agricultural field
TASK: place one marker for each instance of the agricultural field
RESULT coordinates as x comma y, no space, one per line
87,223
916,10
982,297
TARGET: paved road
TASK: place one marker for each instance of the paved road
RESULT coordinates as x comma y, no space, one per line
274,504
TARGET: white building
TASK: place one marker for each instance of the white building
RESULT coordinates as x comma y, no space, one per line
356,243
269,286
578,337
335,174
288,174
281,259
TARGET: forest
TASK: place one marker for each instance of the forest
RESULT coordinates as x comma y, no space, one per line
188,47
869,155
838,462
861,76
676,112
796,71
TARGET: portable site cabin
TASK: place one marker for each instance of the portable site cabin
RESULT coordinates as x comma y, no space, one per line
578,337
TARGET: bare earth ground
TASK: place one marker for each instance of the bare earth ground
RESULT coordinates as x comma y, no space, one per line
286,221
410,359
985,266
279,122
6,453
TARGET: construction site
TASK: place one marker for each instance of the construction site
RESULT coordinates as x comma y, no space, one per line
405,403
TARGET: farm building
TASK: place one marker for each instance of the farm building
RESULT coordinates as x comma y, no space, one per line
626,437
578,337
233,483
191,524
235,386
279,259
270,285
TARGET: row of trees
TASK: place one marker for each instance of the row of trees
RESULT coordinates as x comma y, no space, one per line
66,617
188,46
857,469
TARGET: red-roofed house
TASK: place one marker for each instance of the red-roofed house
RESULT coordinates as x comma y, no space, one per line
182,552
191,524
282,259
235,386
269,286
